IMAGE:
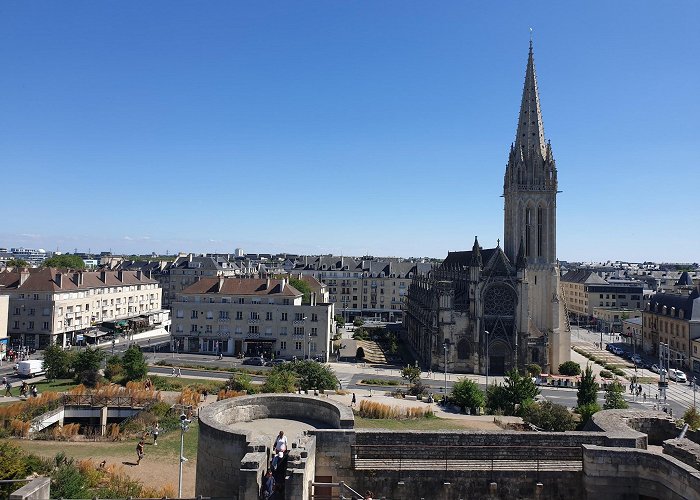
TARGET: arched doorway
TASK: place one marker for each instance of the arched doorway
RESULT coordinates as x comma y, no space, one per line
500,358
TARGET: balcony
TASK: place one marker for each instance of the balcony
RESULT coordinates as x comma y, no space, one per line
224,320
253,321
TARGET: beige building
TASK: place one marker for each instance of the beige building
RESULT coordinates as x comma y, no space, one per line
253,317
4,340
53,306
611,319
672,319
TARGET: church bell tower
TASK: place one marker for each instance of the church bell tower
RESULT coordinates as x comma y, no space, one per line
530,222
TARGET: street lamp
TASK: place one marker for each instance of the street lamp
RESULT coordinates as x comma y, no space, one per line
184,425
445,346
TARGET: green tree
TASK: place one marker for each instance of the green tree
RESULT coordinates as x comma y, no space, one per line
548,416
614,398
571,368
692,418
310,374
515,392
280,382
339,320
467,394
303,287
357,322
134,364
15,463
86,365
57,362
68,482
410,373
534,370
588,388
65,261
241,381
586,412
17,263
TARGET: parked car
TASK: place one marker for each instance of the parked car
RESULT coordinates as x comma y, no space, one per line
677,375
254,361
636,359
656,369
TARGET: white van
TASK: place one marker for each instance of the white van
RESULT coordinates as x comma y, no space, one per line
677,375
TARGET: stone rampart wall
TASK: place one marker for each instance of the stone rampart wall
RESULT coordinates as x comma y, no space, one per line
630,473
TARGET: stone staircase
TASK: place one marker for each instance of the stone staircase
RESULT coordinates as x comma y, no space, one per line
373,352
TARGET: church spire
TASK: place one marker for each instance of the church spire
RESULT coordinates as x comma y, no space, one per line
530,134
476,254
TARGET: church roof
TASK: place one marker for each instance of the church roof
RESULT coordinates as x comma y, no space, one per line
584,276
464,258
685,280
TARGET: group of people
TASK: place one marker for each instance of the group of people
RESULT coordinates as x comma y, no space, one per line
24,391
273,483
155,431
148,384
177,372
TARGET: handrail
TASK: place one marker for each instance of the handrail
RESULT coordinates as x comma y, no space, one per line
443,452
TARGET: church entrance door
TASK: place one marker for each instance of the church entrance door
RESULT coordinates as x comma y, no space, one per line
497,365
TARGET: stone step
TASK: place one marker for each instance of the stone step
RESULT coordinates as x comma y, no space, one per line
476,465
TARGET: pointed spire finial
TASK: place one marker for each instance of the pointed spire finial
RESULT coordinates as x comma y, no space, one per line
530,38
476,254
521,261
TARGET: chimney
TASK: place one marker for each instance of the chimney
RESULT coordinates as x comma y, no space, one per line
221,283
313,298
189,258
267,286
282,284
120,275
103,276
23,275
149,274
79,278
139,274
59,280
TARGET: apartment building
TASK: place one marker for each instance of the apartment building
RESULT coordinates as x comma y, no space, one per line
673,319
584,291
252,317
54,306
370,288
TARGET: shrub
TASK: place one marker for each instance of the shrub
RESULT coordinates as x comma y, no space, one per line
360,353
467,394
692,418
614,397
357,322
378,381
134,364
241,381
606,374
618,371
586,412
371,409
280,382
516,391
310,374
533,369
548,416
570,368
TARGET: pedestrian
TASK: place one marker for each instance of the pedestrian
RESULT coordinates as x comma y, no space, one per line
8,389
139,451
179,373
370,392
4,380
281,442
368,495
155,432
269,485
354,401
645,397
173,371
35,392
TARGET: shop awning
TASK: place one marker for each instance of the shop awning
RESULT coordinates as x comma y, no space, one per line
94,334
266,341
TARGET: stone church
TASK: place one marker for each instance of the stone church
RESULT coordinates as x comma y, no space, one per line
500,308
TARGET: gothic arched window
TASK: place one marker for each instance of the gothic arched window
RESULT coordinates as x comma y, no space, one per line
500,300
540,236
528,229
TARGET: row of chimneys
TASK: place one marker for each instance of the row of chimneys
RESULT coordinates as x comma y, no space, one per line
77,278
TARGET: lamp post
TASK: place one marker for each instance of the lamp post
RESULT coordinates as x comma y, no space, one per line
445,346
486,335
184,425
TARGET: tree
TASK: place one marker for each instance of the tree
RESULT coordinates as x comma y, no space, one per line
310,374
303,287
515,392
280,382
411,373
588,388
467,394
358,322
548,416
86,365
692,418
534,370
614,399
241,381
339,320
134,364
56,362
571,368
65,261
586,412
17,263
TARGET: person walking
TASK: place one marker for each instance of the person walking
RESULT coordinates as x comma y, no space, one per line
179,372
139,451
8,389
281,442
269,485
354,401
173,371
155,432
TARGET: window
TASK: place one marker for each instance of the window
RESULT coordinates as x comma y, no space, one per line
254,315
314,317
285,302
283,330
194,315
298,346
16,325
298,316
31,325
298,330
32,312
210,315
46,325
540,234
239,314
16,311
528,231
284,316
253,329
193,328
208,329
283,345
268,316
223,315
314,332
241,300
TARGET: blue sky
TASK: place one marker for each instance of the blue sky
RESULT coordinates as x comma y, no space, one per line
353,127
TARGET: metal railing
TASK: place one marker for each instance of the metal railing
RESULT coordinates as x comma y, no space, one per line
343,489
97,400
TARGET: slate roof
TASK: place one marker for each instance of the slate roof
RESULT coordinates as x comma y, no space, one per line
585,276
689,303
685,280
242,286
464,258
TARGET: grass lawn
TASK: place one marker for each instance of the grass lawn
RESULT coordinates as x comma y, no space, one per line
58,385
168,447
415,424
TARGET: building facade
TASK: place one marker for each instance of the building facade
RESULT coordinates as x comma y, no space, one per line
490,310
4,339
53,306
252,317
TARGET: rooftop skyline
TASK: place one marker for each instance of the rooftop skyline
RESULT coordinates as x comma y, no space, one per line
377,128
